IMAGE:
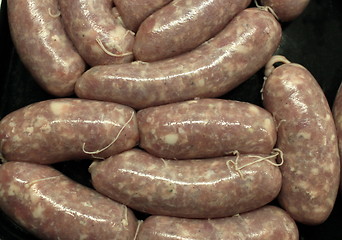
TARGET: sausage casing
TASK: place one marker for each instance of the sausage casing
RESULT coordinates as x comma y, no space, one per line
211,70
307,137
269,223
53,207
205,128
182,26
203,188
98,37
43,45
67,129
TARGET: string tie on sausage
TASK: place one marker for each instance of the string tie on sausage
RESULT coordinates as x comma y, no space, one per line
124,221
269,68
275,152
266,8
93,153
137,230
56,15
279,123
164,161
30,184
98,40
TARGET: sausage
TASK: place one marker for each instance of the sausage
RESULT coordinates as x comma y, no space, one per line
183,25
43,46
286,10
134,12
205,128
235,54
98,37
66,129
269,222
337,114
203,188
53,207
307,137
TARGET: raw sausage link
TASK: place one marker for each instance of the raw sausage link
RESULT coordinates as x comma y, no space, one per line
269,223
66,129
97,36
134,12
53,207
307,137
337,113
204,188
286,10
182,26
205,128
211,70
43,45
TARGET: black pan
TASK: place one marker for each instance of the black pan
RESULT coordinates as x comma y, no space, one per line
313,40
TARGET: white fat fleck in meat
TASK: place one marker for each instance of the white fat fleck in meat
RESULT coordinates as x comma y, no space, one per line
328,167
38,212
250,129
304,185
171,138
46,128
16,138
83,236
304,135
55,38
201,82
39,121
58,108
87,204
34,146
252,111
269,125
181,131
29,130
315,171
319,209
13,190
12,124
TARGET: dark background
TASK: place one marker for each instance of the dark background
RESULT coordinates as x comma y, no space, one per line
313,40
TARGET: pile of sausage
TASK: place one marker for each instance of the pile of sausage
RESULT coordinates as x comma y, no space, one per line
148,76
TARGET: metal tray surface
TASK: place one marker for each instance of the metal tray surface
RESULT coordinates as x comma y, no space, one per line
313,40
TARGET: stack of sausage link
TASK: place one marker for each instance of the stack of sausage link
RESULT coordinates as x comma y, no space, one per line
162,141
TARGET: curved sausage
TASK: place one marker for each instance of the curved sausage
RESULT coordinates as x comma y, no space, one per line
307,137
53,207
337,113
43,46
134,12
66,129
269,223
286,10
204,188
98,37
182,26
205,128
211,70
